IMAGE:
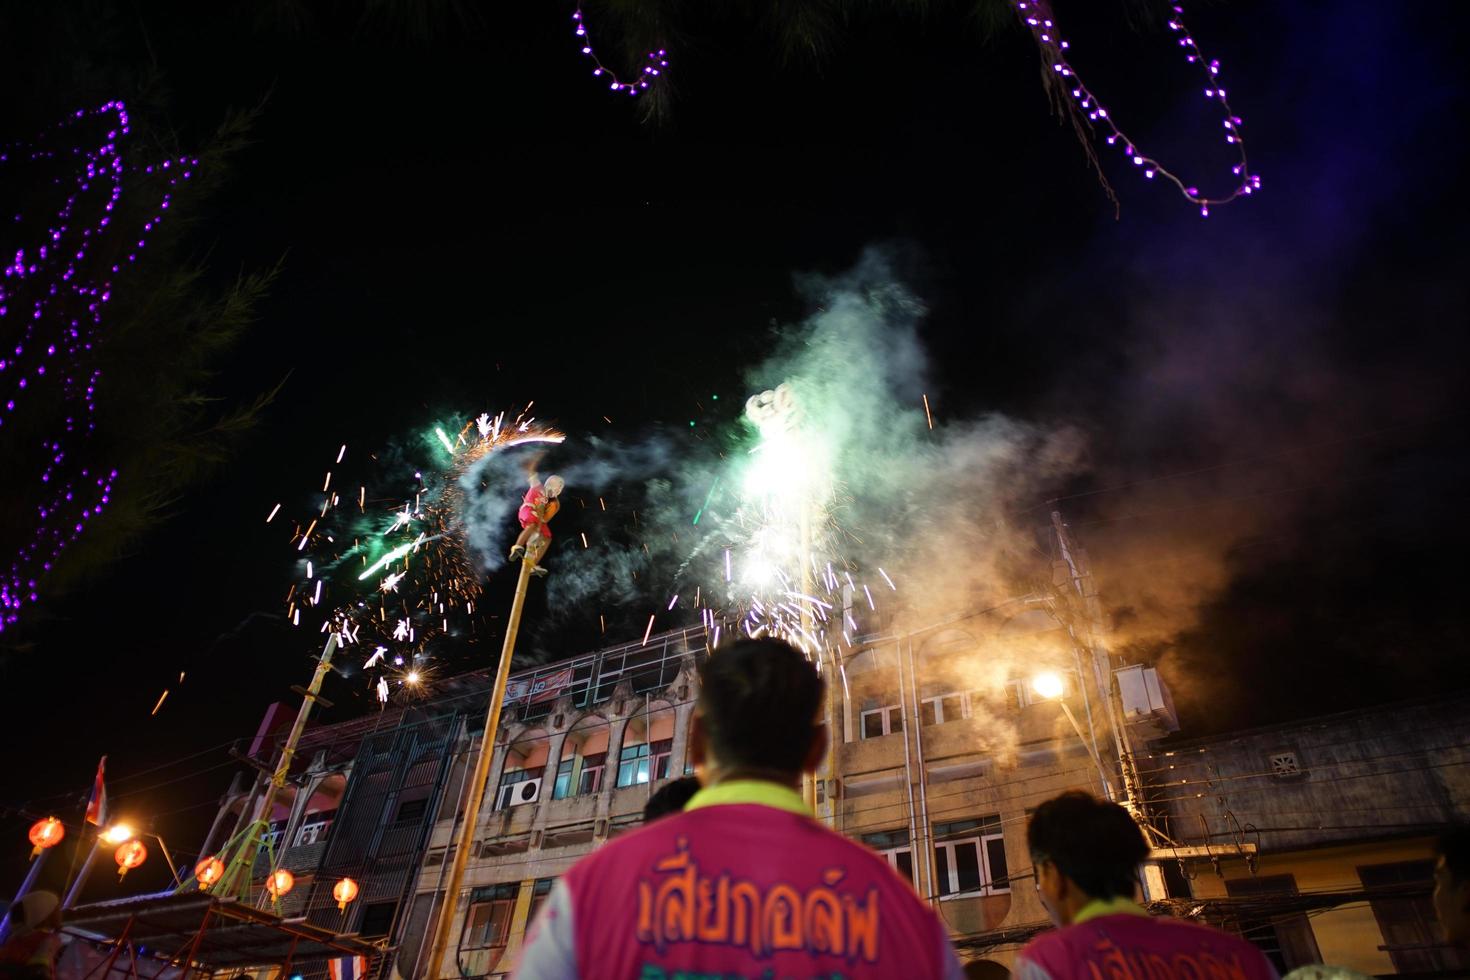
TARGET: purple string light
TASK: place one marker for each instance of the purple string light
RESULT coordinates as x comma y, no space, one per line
650,75
58,296
1038,17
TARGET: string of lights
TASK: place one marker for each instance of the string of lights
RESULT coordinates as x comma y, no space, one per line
1037,16
53,294
650,75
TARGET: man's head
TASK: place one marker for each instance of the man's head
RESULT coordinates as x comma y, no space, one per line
554,486
670,798
1082,849
757,715
1452,885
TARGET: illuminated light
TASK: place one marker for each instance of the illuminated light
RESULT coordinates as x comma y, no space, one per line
118,833
1048,685
46,833
129,856
412,677
56,272
279,883
1030,11
584,43
208,872
344,891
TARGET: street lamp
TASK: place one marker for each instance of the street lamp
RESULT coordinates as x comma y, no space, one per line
118,833
115,836
1049,686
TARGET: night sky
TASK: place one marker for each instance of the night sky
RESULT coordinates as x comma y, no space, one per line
1271,397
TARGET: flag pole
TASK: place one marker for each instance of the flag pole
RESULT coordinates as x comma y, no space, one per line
96,815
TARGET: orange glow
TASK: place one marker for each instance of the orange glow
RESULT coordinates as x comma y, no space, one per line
46,833
344,891
279,883
129,856
208,871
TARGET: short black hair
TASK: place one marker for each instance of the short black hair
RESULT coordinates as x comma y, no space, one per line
1454,847
759,699
1093,842
670,798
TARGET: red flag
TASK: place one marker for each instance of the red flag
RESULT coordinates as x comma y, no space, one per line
97,805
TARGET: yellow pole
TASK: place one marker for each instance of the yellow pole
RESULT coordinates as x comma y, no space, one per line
240,867
450,906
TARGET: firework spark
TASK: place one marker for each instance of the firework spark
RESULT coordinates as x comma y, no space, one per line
401,589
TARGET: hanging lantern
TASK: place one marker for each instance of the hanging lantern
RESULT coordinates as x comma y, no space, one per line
279,883
46,833
129,856
344,891
208,871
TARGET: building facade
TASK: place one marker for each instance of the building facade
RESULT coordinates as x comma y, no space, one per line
940,747
1315,839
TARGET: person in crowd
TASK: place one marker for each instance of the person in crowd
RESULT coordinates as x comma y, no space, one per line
35,938
670,798
743,882
1086,853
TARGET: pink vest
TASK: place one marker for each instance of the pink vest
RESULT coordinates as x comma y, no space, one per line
1125,947
741,889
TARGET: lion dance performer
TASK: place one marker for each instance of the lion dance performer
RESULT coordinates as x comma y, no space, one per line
539,505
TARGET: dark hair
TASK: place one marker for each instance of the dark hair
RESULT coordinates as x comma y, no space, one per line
1091,841
759,699
670,798
1454,847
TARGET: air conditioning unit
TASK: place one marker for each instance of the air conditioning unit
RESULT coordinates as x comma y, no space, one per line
519,794
1146,700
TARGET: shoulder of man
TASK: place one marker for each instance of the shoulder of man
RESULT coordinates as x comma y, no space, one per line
1059,953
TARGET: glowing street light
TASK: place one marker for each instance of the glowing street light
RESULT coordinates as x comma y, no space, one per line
1048,685
119,833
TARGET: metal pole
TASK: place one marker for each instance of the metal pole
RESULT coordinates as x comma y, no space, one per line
1091,750
926,829
167,857
482,774
25,887
76,887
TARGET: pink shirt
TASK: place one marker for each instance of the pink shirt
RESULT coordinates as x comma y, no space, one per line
1119,940
736,889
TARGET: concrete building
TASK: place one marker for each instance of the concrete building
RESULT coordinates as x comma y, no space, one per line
940,747
1315,839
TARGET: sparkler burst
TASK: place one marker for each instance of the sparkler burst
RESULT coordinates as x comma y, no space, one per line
790,576
389,567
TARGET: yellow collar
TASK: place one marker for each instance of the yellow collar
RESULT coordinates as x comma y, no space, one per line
1107,906
750,791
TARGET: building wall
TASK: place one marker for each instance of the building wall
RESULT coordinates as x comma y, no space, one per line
992,764
1319,799
1347,935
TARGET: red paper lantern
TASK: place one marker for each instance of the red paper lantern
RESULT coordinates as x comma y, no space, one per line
46,833
208,871
344,891
129,856
279,883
